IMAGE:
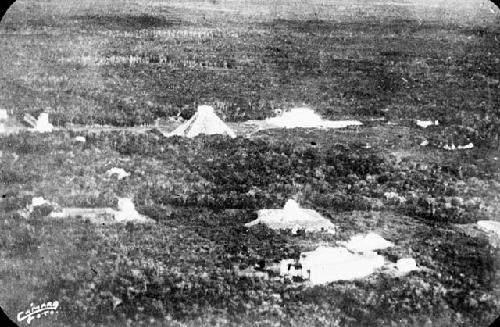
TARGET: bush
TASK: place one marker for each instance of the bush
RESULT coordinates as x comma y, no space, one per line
21,242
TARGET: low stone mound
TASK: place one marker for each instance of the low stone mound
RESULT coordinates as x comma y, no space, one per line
426,123
3,119
4,116
406,265
306,118
120,173
367,243
489,226
9,123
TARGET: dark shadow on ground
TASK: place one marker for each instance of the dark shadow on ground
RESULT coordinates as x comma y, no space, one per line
368,24
126,22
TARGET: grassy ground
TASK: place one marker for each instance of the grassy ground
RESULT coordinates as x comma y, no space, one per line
202,191
369,64
351,59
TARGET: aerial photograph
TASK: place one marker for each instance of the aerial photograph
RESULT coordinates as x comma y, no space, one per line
295,163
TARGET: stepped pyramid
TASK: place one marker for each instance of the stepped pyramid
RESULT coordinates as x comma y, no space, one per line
205,121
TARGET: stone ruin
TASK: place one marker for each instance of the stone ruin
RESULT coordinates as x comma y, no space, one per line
294,218
204,121
302,118
355,259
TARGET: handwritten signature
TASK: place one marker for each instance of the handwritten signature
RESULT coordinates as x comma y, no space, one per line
38,311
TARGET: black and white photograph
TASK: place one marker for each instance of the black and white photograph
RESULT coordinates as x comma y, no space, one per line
250,163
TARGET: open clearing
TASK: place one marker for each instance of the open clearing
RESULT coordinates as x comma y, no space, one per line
127,63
